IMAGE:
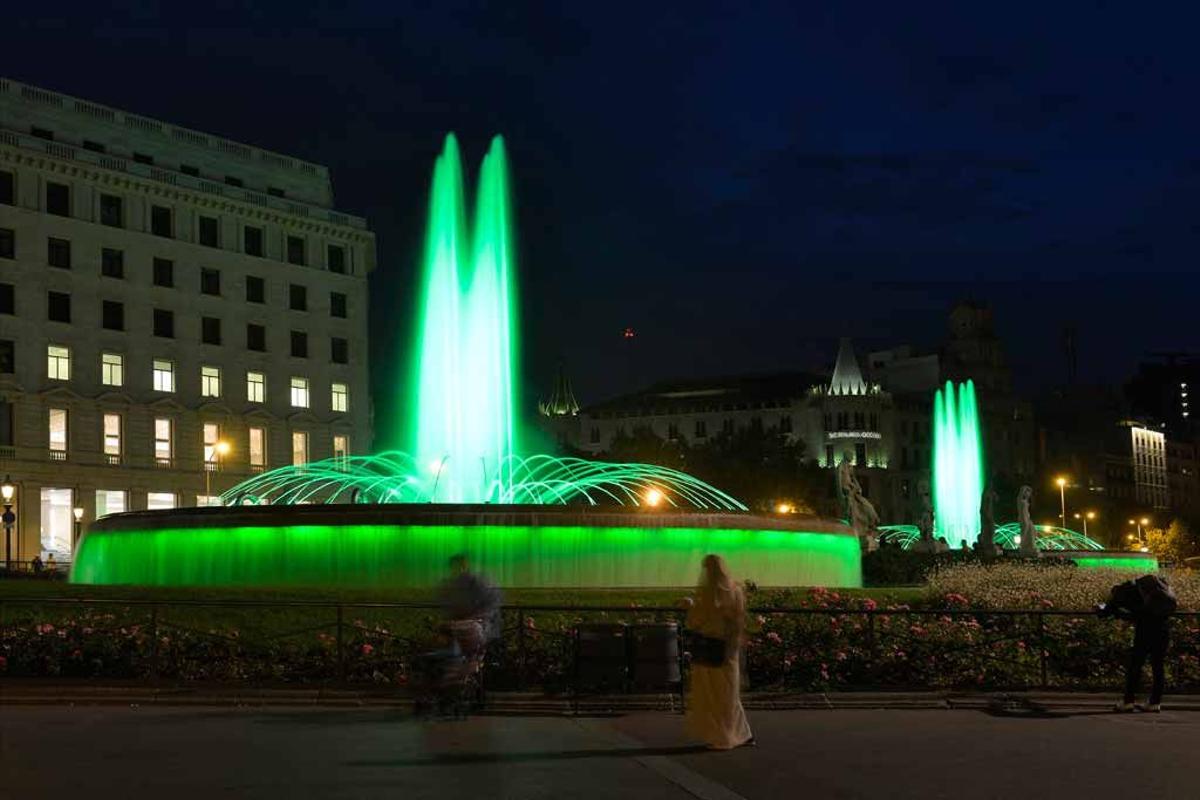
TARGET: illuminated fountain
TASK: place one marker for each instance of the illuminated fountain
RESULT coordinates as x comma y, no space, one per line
460,483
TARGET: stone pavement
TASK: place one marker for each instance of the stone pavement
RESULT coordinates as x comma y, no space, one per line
179,753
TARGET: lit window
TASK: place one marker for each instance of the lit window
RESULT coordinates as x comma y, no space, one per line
112,369
57,521
258,447
340,400
112,436
256,387
203,500
110,501
212,435
341,445
58,363
299,448
160,501
210,382
58,430
299,392
164,375
163,446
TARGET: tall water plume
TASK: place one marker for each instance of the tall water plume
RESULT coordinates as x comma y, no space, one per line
958,473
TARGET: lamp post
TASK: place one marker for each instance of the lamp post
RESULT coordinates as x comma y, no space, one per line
1062,496
1140,523
78,512
219,449
1085,517
6,493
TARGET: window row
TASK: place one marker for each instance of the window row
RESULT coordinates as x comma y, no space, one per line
163,222
215,449
112,373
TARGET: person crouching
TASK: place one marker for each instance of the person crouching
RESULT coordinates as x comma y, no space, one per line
1148,602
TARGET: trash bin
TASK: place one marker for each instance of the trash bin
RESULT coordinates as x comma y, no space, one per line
654,655
601,660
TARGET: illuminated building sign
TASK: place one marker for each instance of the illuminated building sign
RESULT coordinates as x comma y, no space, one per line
854,435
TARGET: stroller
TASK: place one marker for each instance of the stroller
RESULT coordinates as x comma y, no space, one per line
448,681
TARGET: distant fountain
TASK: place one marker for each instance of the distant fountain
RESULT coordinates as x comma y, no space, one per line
957,464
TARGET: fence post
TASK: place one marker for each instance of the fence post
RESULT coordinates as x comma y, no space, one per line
154,642
341,651
1041,615
872,647
522,652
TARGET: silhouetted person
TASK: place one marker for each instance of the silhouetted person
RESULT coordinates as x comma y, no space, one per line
1149,603
51,564
36,565
472,606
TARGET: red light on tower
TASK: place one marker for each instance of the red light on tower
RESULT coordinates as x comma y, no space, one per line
628,334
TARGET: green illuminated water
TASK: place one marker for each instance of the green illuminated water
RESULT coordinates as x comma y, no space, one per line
462,423
957,464
416,556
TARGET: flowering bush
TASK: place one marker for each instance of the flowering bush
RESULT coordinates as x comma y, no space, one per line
1049,584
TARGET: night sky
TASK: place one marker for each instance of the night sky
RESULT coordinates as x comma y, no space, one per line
739,186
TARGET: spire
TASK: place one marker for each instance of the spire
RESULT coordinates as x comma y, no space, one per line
847,377
562,402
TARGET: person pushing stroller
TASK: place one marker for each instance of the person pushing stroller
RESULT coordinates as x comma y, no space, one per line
1148,603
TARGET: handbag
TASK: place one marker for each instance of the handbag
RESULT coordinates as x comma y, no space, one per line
707,651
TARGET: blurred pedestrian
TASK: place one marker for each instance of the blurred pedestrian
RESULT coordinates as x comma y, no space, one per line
36,565
51,564
716,622
1149,603
472,607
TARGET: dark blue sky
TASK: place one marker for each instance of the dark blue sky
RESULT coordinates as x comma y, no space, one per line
742,185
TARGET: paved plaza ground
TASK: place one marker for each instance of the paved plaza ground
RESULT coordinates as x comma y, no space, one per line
179,753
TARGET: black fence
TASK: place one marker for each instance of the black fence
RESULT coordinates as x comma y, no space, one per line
571,649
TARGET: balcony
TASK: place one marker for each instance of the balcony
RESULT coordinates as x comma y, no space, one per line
164,463
57,455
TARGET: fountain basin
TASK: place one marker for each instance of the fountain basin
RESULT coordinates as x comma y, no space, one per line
408,545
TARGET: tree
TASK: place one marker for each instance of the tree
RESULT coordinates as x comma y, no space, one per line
1174,543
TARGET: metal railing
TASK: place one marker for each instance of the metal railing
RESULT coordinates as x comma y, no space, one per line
786,649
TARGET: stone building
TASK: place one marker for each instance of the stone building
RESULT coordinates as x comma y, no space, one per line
177,311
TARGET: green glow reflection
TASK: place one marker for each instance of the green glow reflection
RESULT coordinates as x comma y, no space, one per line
416,556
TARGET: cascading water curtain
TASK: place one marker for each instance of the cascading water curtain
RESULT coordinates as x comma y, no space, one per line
958,474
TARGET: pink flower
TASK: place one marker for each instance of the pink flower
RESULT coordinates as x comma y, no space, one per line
774,637
870,605
367,649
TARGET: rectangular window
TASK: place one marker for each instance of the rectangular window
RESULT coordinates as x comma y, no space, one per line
210,282
340,397
297,297
164,272
299,448
164,440
112,211
58,524
58,430
252,241
112,315
8,366
860,455
95,147
164,375
341,446
58,199
112,438
339,351
206,500
42,133
8,188
58,253
212,435
58,307
210,382
274,191
164,323
256,338
210,330
232,181
142,158
160,501
337,259
110,501
701,429
112,369
188,169
256,291
58,366
8,299
337,305
256,387
112,262
299,392
295,250
209,231
162,222
258,447
299,344
8,243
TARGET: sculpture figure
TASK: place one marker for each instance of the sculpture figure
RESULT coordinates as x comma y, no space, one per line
1028,529
864,519
986,544
926,544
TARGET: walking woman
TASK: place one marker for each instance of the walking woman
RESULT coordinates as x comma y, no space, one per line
717,621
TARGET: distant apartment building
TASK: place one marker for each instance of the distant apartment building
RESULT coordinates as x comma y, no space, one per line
177,312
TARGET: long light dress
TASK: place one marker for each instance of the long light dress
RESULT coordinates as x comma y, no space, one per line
714,706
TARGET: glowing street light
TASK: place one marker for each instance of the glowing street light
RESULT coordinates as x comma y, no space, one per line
784,508
6,492
77,512
220,448
1062,496
1085,517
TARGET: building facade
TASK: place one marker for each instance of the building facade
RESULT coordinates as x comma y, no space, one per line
177,312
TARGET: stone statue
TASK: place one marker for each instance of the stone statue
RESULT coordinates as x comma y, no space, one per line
1029,545
926,544
986,545
845,480
864,519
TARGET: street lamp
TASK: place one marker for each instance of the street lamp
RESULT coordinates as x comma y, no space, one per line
1140,523
6,493
1085,517
78,512
1062,496
220,448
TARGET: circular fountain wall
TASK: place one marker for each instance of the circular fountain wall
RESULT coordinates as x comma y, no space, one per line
408,545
